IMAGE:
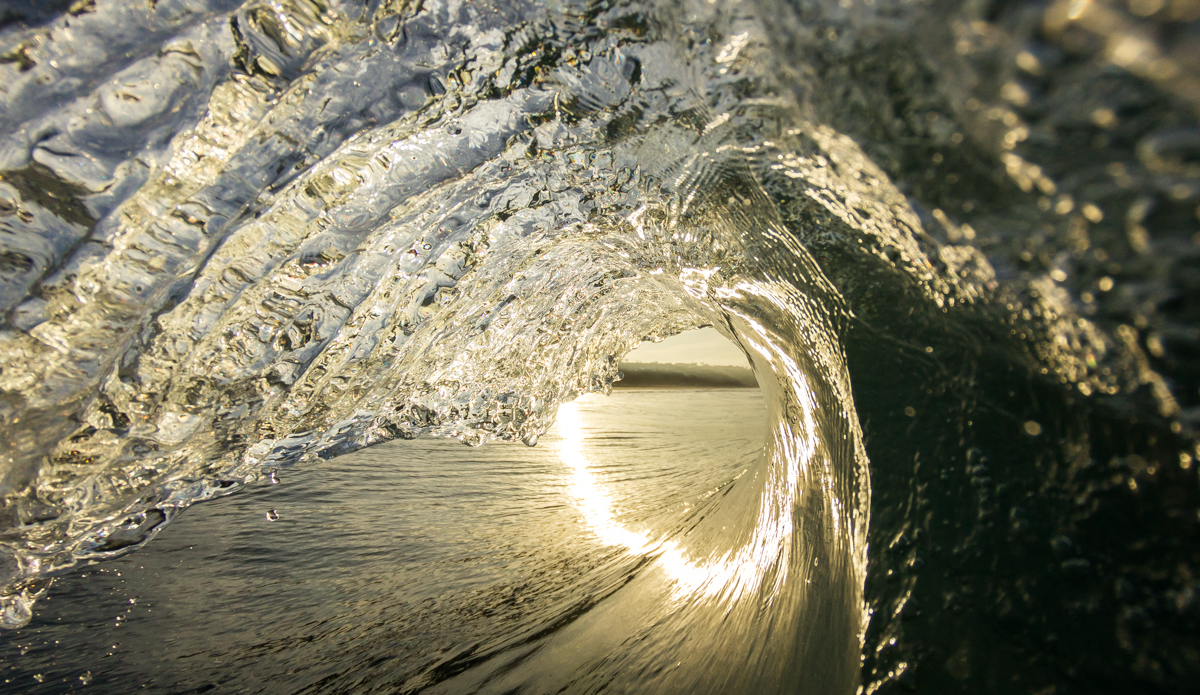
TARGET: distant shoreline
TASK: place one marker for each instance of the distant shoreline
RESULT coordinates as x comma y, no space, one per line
647,376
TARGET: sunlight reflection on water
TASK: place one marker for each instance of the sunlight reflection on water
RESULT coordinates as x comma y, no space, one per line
730,574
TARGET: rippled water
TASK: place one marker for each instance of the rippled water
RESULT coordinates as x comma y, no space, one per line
417,564
957,241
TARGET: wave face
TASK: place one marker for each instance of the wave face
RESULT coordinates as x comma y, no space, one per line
241,236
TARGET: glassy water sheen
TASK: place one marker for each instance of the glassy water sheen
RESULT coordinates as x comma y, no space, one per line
419,564
957,241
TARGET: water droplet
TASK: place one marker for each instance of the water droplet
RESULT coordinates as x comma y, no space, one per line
1032,428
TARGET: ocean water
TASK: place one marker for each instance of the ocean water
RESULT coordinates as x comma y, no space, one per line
416,566
957,241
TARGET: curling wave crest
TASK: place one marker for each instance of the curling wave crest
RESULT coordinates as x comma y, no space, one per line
240,236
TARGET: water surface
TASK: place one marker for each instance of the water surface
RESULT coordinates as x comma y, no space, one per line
399,566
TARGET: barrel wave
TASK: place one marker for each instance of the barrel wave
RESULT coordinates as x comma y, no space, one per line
240,237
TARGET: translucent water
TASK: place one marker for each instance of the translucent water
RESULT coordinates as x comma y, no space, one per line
239,237
415,563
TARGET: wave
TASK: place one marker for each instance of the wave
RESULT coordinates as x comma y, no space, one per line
242,236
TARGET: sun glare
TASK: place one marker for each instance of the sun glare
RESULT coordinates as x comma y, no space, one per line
728,574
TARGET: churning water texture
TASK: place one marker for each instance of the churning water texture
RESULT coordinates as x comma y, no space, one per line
957,241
